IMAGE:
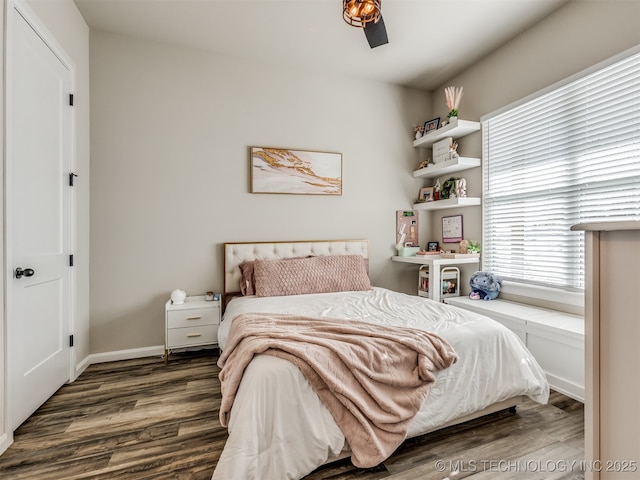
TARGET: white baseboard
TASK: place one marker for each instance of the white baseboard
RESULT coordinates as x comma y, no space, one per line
6,440
157,351
566,387
82,366
121,355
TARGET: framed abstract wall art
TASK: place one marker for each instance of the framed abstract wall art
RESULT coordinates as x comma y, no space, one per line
302,172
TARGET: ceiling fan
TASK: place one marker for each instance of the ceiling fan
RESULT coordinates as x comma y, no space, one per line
367,15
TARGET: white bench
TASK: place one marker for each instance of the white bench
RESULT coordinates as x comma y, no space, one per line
555,339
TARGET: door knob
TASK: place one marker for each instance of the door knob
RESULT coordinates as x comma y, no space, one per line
27,272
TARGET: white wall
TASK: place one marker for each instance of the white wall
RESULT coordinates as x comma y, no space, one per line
170,130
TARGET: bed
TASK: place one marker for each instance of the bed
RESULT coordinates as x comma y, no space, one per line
279,427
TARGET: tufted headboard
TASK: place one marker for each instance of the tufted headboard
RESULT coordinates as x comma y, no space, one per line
237,253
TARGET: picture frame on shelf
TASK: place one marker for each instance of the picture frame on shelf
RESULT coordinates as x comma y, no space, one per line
431,125
452,229
426,194
433,246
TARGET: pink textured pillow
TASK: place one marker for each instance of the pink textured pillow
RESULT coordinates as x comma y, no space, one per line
336,273
248,279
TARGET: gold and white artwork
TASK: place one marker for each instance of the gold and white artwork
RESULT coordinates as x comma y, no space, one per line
278,170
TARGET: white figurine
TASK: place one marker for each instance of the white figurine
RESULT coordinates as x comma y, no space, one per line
453,151
461,188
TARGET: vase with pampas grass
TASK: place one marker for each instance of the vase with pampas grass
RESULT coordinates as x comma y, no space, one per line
453,96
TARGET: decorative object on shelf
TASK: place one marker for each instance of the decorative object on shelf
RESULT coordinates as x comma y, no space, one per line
280,170
448,188
208,297
418,130
424,163
437,190
453,97
407,251
469,246
406,228
178,296
456,255
452,229
461,188
433,247
425,195
441,150
453,151
485,286
474,247
431,125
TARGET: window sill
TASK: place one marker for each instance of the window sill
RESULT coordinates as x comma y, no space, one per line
546,297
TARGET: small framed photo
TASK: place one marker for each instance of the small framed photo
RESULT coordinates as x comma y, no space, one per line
431,125
433,247
426,194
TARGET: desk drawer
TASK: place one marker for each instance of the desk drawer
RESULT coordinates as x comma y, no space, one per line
193,317
199,335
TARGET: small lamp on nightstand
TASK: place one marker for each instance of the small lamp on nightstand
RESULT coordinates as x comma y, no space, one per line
178,296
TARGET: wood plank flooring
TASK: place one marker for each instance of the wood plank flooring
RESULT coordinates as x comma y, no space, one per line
142,420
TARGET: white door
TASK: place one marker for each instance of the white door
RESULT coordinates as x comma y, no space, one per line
38,205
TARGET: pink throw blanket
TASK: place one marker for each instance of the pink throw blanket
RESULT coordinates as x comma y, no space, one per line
372,378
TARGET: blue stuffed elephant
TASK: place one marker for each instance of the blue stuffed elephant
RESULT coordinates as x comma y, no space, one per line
485,286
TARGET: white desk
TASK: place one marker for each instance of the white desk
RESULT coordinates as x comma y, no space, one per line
435,262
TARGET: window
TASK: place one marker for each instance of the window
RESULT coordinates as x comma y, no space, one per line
570,155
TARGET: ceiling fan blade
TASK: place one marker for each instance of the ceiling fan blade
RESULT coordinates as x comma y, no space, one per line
376,33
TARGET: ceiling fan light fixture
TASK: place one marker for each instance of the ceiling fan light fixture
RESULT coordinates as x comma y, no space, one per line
357,13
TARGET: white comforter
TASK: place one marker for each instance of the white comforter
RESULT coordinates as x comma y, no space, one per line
279,429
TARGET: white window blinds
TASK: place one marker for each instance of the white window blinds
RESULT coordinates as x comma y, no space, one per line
569,156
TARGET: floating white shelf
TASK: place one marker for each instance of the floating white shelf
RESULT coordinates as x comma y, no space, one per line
458,128
445,168
448,203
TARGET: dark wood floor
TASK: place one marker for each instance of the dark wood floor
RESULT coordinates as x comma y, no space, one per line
142,420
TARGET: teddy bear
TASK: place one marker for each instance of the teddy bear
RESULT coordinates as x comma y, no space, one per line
485,286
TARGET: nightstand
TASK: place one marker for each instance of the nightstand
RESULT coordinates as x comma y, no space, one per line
192,323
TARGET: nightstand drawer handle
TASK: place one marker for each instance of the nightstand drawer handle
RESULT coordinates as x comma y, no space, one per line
194,335
194,318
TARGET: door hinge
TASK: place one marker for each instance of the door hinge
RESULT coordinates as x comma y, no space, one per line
71,175
71,99
71,260
71,340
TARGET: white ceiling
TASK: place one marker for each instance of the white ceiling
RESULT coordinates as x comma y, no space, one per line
429,40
